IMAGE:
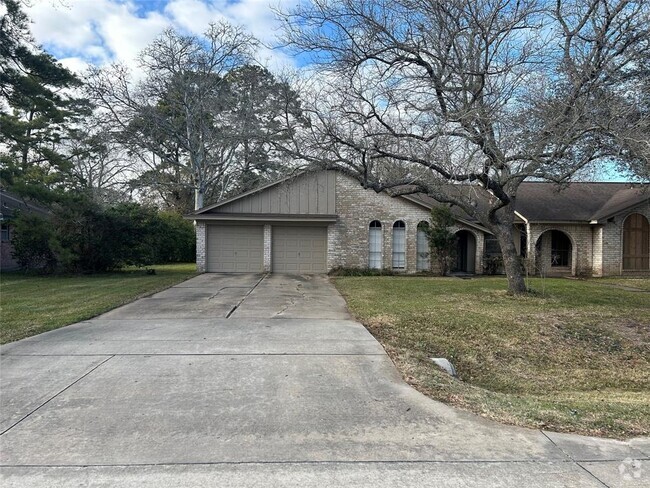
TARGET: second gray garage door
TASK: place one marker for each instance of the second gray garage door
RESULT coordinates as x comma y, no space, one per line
299,249
235,248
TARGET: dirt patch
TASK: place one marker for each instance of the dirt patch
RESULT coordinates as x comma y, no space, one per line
633,331
379,321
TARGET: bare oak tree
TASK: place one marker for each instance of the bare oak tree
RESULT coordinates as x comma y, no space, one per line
464,99
173,119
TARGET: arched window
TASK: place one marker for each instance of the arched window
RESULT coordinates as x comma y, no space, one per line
399,245
374,245
636,243
423,261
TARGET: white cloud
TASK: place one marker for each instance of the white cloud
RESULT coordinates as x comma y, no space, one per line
126,34
75,64
194,16
66,25
101,31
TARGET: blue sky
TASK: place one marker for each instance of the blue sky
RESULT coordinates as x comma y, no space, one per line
82,32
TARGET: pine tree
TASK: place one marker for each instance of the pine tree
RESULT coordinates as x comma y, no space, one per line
37,108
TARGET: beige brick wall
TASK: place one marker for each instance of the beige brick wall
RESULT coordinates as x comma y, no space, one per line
581,247
268,232
612,244
200,229
356,208
597,250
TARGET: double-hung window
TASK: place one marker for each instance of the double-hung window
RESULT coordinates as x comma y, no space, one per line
399,245
374,245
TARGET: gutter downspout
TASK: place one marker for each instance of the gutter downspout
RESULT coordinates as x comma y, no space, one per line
529,253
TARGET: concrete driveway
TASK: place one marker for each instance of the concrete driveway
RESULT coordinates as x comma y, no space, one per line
245,380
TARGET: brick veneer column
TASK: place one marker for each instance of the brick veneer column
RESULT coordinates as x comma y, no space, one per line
200,229
268,236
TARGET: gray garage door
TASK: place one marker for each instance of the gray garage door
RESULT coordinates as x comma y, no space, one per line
235,248
299,249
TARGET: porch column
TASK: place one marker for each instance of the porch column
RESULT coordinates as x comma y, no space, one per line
597,250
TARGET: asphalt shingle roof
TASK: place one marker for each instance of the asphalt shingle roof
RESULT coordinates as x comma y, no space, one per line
577,202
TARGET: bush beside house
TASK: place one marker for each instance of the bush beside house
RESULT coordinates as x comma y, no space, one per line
83,237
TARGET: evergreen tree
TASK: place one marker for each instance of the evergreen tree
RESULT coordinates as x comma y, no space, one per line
37,109
442,240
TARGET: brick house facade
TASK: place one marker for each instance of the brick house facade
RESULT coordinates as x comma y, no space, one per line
576,231
357,208
591,216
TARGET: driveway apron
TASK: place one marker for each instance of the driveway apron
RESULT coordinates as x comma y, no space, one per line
258,380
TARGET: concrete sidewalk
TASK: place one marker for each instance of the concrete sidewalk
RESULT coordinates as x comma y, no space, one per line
245,380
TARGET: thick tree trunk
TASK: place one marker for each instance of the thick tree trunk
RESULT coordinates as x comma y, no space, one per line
198,198
511,260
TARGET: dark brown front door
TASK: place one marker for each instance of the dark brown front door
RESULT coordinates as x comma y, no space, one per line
636,243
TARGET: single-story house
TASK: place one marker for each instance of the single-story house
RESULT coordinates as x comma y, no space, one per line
10,205
315,222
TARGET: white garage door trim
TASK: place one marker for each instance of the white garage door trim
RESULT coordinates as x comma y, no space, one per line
299,249
235,248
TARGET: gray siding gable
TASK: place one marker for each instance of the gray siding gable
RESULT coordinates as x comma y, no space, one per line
309,193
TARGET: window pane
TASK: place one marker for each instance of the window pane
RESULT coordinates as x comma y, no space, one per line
423,251
399,247
560,249
374,248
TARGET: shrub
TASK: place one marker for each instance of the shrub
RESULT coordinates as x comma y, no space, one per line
441,240
177,242
492,265
84,237
361,272
34,243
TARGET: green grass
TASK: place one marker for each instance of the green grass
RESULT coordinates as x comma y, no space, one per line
32,304
629,282
575,358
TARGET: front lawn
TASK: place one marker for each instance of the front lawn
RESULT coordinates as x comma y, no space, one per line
627,282
575,358
32,304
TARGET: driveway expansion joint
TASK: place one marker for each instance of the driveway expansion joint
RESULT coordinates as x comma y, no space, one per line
592,475
577,463
295,462
57,394
246,296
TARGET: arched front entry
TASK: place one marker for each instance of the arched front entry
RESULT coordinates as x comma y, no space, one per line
554,253
465,252
636,243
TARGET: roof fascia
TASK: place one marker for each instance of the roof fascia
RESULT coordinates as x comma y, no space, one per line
230,217
620,211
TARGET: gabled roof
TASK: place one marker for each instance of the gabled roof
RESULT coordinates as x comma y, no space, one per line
11,203
221,203
577,202
428,203
536,201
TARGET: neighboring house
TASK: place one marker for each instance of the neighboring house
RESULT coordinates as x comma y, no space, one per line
9,206
316,222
